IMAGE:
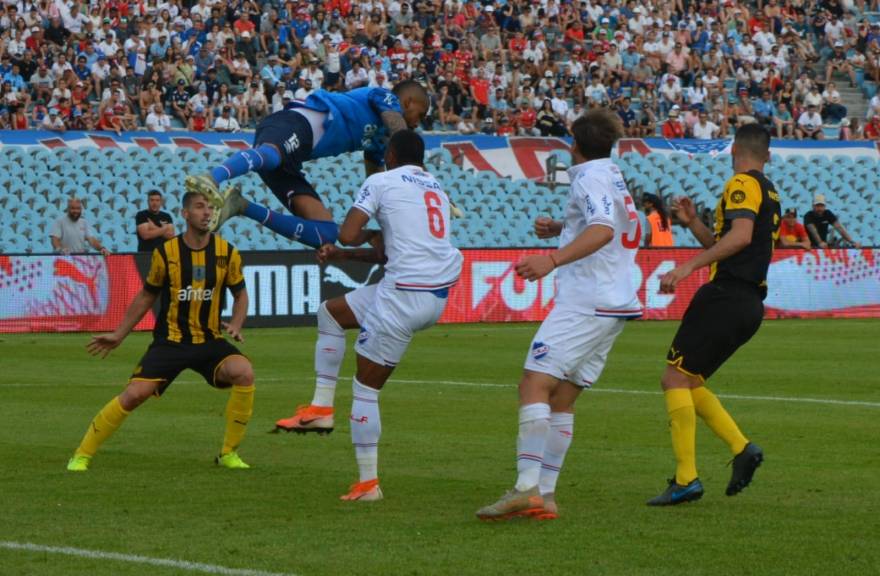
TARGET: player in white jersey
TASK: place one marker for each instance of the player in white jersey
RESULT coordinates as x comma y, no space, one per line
421,265
595,296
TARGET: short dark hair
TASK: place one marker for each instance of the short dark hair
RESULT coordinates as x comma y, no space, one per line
412,88
596,132
407,147
189,197
154,192
753,139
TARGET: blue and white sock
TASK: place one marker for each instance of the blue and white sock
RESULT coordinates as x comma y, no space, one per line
314,233
329,352
534,423
558,442
366,428
263,157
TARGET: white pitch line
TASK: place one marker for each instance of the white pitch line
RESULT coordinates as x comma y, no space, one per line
135,559
830,401
465,384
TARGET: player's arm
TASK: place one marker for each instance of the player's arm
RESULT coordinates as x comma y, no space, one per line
352,232
686,211
589,241
546,227
738,237
102,344
235,283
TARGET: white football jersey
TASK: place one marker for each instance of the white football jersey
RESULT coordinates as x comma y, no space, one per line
602,283
413,213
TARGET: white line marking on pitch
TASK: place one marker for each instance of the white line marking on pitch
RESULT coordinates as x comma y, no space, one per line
795,399
831,401
135,559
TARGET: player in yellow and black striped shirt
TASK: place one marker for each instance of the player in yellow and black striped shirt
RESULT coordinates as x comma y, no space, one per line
190,273
723,315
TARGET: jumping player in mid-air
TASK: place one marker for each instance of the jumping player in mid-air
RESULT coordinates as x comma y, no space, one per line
325,124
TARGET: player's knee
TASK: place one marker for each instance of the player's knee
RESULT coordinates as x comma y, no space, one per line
136,393
240,372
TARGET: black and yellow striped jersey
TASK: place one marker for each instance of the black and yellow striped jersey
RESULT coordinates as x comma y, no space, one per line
192,285
748,195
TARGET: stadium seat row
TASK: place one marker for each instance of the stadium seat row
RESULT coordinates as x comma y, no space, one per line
34,185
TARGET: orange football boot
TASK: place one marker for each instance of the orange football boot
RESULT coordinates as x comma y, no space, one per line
366,491
308,419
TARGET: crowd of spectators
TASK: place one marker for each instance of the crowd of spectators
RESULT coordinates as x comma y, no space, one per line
680,68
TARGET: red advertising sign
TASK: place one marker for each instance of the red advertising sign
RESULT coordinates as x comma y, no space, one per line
816,283
91,293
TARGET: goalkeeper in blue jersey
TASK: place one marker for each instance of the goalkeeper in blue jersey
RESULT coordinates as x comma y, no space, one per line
325,124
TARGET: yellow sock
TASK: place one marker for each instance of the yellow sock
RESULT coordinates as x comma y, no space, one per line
238,413
683,428
102,427
709,408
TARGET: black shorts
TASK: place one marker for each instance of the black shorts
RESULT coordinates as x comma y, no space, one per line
721,317
291,133
164,361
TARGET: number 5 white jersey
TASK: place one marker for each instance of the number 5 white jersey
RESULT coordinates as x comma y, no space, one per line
602,283
413,213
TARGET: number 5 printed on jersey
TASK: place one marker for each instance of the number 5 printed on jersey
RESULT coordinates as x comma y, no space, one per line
435,216
632,215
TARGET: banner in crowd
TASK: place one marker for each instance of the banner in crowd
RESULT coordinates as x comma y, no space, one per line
91,293
510,157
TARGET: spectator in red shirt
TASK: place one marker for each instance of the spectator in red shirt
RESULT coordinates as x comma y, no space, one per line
673,128
525,120
244,24
516,46
792,233
872,129
480,95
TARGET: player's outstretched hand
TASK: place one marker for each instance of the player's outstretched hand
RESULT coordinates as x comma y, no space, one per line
684,208
328,252
546,227
102,344
535,267
233,331
670,280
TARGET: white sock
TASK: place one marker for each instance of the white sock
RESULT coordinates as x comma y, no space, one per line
558,441
366,427
534,423
329,352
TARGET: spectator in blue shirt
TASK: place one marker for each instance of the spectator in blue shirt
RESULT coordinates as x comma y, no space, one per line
300,26
159,48
15,79
271,73
765,110
630,58
628,117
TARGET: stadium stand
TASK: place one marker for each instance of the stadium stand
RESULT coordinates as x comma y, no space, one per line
34,185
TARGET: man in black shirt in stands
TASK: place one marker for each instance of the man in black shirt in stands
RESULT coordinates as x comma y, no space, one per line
816,222
153,226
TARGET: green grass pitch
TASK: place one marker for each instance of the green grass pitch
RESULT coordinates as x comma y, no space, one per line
447,448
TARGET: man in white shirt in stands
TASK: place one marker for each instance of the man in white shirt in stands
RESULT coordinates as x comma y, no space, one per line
704,129
809,124
157,120
421,265
225,122
595,296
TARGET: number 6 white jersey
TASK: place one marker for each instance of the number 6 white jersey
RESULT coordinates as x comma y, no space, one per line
602,283
413,213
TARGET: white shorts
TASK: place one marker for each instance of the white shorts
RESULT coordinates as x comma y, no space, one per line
389,317
573,346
